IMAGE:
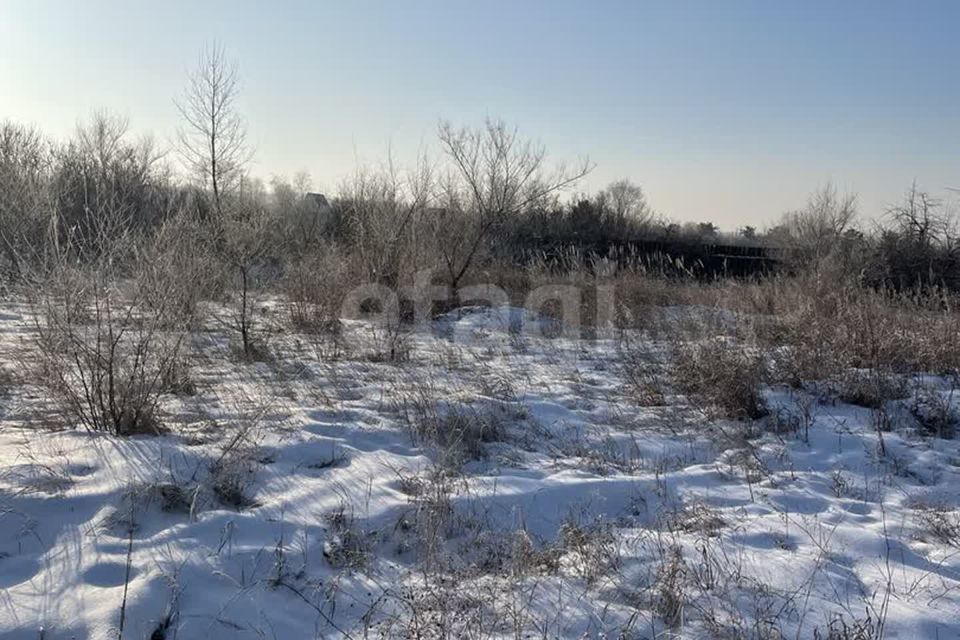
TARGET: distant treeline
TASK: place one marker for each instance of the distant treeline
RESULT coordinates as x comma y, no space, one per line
914,244
82,199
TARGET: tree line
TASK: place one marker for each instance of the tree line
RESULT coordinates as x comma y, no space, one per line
491,196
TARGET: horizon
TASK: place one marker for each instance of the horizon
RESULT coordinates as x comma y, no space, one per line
732,114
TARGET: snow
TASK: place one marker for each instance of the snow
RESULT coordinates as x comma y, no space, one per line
790,537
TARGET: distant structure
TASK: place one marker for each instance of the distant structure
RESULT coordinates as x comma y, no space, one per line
669,256
320,210
320,200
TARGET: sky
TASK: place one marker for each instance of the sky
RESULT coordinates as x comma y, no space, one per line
731,111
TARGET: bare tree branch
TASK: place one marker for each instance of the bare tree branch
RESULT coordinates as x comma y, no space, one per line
213,138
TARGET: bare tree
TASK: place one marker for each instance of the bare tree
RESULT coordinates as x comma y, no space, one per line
248,239
919,217
24,210
382,209
103,184
213,142
213,139
920,248
495,175
627,202
815,231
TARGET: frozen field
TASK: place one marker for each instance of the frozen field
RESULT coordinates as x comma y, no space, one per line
491,485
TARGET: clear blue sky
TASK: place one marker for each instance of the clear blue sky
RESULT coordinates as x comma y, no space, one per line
730,111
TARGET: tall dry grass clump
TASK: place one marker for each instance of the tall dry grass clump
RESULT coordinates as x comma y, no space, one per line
818,329
725,375
315,286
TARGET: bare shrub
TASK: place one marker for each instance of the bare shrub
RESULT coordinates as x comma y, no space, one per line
40,473
243,239
794,421
178,269
919,249
723,374
815,234
232,478
440,609
171,497
8,382
104,187
176,378
315,286
306,217
103,353
494,382
390,340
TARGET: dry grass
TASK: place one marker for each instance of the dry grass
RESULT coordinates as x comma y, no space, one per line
870,388
938,522
935,412
824,326
724,375
457,431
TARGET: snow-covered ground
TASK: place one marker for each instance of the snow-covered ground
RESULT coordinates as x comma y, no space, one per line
292,499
